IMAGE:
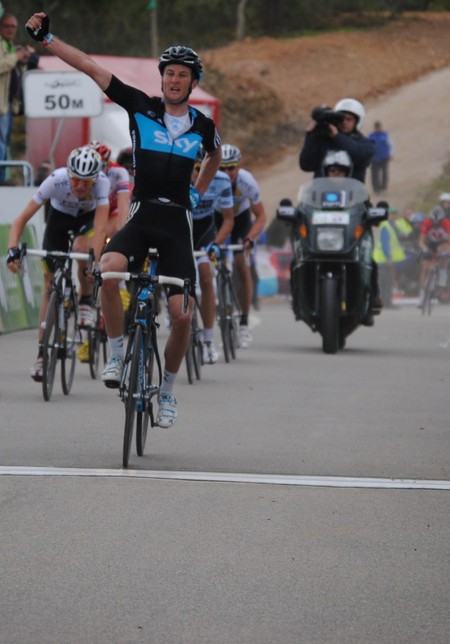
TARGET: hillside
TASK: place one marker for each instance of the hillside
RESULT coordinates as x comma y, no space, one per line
267,87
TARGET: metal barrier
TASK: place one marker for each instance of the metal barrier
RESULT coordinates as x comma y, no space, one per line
27,171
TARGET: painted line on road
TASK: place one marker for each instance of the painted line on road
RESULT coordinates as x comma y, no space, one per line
227,477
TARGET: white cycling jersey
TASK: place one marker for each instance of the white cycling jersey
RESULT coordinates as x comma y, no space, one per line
245,191
218,195
56,188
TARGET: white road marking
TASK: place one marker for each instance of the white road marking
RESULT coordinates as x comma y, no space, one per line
227,477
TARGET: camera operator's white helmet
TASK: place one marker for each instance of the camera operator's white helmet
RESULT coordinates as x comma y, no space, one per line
445,196
354,107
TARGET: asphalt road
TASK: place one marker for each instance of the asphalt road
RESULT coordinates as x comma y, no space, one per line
300,498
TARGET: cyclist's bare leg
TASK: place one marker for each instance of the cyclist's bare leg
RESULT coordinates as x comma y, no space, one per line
245,283
178,340
208,303
111,302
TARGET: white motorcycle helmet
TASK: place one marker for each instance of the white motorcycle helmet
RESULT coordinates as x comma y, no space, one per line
445,196
337,159
354,107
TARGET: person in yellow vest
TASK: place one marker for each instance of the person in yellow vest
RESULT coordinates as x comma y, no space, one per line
389,255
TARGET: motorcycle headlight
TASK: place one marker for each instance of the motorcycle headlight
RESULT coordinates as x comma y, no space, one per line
330,239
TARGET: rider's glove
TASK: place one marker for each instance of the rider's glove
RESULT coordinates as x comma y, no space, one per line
42,32
249,243
195,196
213,249
13,255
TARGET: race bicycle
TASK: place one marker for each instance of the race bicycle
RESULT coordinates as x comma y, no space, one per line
62,333
142,373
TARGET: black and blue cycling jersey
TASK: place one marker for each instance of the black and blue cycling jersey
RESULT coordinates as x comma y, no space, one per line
163,165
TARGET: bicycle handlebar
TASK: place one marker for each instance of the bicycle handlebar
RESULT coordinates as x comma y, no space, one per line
164,280
54,253
159,279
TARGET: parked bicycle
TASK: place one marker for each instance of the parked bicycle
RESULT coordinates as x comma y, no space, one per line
142,373
62,333
228,309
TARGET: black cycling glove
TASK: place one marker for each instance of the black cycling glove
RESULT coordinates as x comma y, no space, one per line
44,29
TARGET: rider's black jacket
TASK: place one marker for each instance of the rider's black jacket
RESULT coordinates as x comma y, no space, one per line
360,148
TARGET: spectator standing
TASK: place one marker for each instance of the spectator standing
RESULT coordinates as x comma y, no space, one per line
14,61
389,255
383,154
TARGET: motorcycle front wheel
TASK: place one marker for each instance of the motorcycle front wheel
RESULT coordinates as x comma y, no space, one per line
329,313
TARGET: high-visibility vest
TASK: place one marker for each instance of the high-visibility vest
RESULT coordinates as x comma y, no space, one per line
397,252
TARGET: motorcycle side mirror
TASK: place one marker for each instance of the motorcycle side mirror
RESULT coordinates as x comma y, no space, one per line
286,210
376,215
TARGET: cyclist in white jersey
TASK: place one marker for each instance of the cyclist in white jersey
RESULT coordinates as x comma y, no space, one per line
217,198
78,196
247,202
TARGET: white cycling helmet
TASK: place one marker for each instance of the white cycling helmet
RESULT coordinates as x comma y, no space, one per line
337,159
354,107
230,154
84,163
445,196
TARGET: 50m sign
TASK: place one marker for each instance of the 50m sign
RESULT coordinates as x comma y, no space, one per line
61,95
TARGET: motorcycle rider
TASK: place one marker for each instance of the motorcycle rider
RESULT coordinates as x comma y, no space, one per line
337,164
444,202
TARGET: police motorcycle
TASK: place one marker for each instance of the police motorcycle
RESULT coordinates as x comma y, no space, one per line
331,272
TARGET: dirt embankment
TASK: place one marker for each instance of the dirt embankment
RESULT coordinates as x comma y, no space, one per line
267,87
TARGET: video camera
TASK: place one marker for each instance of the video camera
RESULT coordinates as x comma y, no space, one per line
324,115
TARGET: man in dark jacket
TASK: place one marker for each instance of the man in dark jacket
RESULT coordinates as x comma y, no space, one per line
337,129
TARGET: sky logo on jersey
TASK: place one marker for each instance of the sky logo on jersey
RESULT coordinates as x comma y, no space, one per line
156,138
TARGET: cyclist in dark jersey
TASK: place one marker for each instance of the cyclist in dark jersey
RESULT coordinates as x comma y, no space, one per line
166,134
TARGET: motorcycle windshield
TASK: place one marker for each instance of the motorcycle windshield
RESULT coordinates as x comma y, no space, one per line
333,193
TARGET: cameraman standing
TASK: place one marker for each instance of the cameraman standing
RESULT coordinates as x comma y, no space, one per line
337,129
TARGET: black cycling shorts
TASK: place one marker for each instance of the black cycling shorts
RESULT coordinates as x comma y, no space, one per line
241,226
166,227
204,232
58,226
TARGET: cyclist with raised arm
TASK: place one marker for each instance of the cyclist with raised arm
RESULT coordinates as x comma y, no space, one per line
217,198
166,134
78,196
249,222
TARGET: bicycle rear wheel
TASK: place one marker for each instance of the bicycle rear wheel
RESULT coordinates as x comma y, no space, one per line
50,346
130,391
189,359
70,341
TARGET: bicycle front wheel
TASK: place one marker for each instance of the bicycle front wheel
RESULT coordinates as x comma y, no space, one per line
130,391
224,322
97,345
429,293
143,414
50,346
70,340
